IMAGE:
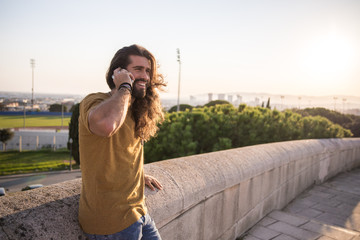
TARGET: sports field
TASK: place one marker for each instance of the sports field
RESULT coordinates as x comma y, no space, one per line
14,162
32,121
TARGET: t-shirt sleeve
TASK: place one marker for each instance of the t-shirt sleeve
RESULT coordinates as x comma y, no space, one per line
88,103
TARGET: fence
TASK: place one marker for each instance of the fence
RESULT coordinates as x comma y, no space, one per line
35,140
35,113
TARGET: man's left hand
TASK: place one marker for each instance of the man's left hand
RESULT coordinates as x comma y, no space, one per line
152,182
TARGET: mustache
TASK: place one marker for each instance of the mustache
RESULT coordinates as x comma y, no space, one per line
140,80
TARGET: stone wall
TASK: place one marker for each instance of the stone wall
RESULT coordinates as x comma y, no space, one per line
209,196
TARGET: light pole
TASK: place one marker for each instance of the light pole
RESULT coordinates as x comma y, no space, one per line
32,63
282,99
178,59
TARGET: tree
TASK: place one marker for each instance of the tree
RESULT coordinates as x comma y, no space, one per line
182,107
5,135
241,107
220,127
268,104
222,144
57,108
72,108
2,107
347,121
216,102
355,127
74,133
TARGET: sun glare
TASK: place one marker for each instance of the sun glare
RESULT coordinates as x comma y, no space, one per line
331,55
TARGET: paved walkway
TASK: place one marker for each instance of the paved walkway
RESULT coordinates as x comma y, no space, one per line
325,212
14,183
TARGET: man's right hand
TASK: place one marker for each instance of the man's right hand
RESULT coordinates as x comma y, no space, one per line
122,76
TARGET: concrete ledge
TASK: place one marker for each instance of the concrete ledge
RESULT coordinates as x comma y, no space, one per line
209,196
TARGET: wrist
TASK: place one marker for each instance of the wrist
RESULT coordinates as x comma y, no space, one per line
123,92
125,86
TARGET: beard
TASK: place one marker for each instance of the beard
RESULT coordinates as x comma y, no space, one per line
138,92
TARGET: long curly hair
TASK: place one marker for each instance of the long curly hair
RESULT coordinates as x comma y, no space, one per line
147,112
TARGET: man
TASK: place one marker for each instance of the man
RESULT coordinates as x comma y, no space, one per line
112,129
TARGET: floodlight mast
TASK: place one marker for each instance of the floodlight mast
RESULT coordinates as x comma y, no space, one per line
32,63
178,99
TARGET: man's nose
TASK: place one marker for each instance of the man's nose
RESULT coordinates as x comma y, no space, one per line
146,76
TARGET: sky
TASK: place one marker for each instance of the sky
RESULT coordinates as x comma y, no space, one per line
304,47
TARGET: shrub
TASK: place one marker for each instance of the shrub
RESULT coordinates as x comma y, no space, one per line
74,133
5,135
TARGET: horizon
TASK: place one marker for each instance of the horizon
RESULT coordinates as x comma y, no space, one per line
174,96
301,48
339,103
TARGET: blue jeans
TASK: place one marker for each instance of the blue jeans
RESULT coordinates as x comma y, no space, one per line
143,229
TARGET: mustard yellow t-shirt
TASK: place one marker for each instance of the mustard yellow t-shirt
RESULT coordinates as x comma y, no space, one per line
112,193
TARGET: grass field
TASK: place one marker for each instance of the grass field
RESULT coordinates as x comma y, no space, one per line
14,162
32,121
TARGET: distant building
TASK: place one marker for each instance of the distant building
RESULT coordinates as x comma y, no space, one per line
210,97
43,107
68,103
238,100
12,105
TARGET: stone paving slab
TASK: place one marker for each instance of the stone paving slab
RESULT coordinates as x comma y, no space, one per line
266,221
284,217
329,231
293,231
324,212
283,237
264,233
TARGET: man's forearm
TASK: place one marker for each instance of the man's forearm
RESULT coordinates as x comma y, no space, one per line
106,118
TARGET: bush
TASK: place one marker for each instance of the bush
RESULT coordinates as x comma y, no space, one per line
5,135
74,133
216,102
182,107
221,127
57,108
347,121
